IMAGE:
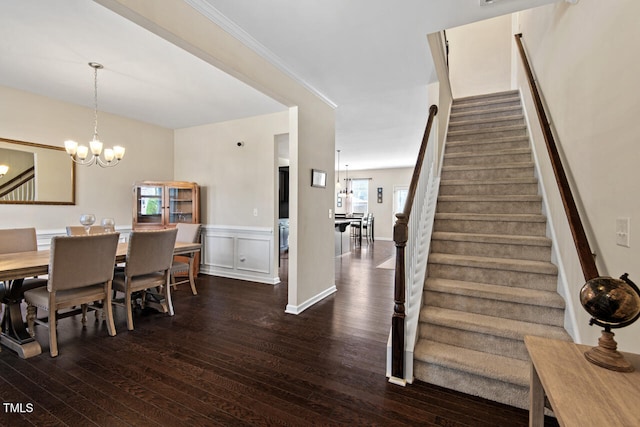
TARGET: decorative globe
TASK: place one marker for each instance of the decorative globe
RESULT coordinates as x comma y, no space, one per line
613,303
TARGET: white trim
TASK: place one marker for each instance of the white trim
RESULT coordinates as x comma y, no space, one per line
245,38
297,309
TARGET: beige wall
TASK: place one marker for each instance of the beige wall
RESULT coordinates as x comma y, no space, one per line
311,137
584,61
104,192
233,180
480,57
388,179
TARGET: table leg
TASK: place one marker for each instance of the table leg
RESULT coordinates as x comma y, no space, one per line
14,334
536,400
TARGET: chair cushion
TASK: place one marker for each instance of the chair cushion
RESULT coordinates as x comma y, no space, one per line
178,267
40,296
138,282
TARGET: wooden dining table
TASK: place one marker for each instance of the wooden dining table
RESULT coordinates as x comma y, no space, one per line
15,267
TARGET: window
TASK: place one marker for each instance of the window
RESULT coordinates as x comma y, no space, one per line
360,189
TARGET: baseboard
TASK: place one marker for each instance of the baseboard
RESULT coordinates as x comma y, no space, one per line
297,309
212,271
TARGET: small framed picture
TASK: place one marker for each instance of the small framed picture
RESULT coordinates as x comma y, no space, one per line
318,178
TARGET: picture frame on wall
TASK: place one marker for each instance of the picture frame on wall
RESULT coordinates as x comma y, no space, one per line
318,178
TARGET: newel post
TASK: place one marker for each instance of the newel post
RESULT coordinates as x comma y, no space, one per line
400,237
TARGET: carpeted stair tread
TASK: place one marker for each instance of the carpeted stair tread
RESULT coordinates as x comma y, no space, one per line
467,121
501,368
489,325
463,168
491,217
520,265
519,295
511,110
478,132
489,181
491,198
486,154
474,145
492,238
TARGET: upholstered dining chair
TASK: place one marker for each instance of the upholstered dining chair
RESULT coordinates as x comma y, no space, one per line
80,273
147,269
189,233
21,240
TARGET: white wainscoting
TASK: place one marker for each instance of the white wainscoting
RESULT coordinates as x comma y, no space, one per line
245,253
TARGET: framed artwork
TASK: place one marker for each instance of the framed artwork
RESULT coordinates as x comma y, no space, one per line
318,178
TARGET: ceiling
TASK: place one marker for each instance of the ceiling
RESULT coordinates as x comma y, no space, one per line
369,58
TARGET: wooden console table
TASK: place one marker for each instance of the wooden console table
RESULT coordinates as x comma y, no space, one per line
581,393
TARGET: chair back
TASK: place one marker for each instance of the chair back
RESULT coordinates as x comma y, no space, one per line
189,233
150,251
18,240
79,230
78,261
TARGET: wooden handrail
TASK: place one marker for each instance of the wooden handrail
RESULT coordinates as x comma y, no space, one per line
585,255
400,237
17,181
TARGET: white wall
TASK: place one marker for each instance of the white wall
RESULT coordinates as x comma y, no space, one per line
584,61
104,192
382,212
480,57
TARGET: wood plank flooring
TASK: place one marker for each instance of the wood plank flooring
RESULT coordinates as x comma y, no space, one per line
232,357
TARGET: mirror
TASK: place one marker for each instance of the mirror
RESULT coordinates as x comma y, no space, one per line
37,174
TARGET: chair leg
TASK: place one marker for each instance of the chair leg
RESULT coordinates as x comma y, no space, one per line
192,280
167,298
127,306
53,339
84,314
32,312
111,327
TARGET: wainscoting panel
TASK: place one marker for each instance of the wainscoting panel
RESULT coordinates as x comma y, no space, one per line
244,253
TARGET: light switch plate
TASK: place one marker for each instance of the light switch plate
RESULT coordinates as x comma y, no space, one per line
623,232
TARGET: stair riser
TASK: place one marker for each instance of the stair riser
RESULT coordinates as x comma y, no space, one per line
514,228
475,341
486,136
497,308
498,391
488,114
494,250
488,189
486,174
485,124
480,160
479,147
543,282
489,207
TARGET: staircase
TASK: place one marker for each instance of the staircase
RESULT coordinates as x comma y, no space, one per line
490,279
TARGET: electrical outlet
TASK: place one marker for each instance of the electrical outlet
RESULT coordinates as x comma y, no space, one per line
623,232
330,213
255,211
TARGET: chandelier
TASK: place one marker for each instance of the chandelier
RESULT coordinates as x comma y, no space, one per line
79,153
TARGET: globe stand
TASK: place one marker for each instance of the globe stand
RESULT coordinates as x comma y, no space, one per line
606,354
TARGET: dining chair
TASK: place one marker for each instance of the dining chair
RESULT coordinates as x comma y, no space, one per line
147,269
21,240
80,273
189,233
367,227
79,230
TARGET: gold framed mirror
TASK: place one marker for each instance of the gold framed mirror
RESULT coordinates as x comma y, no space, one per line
36,174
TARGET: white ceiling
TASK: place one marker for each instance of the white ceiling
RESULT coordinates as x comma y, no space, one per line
368,57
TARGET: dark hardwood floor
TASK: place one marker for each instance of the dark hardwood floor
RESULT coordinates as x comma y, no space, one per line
231,356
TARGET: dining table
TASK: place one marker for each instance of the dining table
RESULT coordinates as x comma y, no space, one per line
15,267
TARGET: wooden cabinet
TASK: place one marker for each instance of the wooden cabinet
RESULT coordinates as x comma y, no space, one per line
163,204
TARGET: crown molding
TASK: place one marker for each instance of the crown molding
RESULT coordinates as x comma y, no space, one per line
213,14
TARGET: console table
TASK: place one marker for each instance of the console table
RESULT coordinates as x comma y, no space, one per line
581,393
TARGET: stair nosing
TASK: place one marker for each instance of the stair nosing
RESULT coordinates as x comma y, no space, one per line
486,130
502,181
514,165
504,217
453,123
509,239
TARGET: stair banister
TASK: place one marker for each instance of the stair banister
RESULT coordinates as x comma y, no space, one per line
587,261
400,237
